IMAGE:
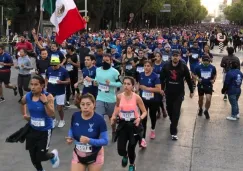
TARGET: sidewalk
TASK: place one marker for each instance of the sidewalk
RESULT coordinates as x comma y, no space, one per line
216,52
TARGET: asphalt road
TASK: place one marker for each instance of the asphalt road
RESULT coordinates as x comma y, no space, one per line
214,145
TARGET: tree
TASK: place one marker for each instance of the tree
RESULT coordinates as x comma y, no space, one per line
234,13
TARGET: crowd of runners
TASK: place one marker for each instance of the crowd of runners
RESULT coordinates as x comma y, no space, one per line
126,75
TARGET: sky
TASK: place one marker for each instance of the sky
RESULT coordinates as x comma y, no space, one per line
212,5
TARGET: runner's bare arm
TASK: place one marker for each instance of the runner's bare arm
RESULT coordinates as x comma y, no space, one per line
116,109
49,106
141,107
23,106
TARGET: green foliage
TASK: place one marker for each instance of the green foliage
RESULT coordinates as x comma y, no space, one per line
10,9
234,13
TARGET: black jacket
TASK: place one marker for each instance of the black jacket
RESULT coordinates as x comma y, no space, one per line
172,79
20,135
226,60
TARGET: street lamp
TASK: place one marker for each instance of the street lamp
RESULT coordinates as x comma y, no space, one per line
85,11
2,19
119,13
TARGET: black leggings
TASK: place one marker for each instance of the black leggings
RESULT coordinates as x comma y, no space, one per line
23,83
153,107
69,87
125,150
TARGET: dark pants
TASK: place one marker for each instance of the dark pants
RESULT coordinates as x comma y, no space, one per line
69,87
173,105
23,84
37,142
153,107
125,150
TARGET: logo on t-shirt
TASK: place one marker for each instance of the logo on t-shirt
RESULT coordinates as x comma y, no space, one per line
173,75
91,128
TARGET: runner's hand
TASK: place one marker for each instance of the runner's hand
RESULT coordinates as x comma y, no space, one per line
84,140
113,120
76,85
137,121
162,92
59,82
88,79
69,140
107,82
43,98
191,95
26,117
95,83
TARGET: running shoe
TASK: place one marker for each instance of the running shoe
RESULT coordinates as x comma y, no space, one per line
124,161
200,111
174,137
132,168
67,104
231,118
20,99
61,124
206,114
15,91
225,97
55,161
238,116
143,143
152,134
2,100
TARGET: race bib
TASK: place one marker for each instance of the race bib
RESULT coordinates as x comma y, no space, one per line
87,83
103,87
37,122
194,56
69,67
84,148
147,95
140,69
165,57
206,74
184,55
53,79
128,67
127,115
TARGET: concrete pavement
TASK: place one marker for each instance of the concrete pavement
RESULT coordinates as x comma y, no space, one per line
203,145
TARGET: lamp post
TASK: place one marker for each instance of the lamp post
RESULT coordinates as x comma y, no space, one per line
85,11
119,13
2,19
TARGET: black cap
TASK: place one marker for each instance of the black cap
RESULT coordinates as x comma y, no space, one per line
176,52
205,58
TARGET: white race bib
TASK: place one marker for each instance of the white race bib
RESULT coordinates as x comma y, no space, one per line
129,67
84,148
165,57
87,83
140,69
194,56
37,122
147,95
53,79
43,75
184,55
69,67
103,87
206,74
127,115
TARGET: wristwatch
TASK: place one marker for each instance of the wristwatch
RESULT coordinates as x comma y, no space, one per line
45,103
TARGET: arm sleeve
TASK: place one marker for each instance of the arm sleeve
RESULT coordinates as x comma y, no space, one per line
70,133
163,77
188,78
118,82
102,141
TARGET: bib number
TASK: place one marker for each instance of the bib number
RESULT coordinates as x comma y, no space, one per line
165,57
69,67
206,75
84,148
37,122
53,80
128,67
140,69
194,56
147,95
127,115
103,87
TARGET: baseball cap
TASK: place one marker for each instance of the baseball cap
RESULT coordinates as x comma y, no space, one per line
55,60
176,52
205,58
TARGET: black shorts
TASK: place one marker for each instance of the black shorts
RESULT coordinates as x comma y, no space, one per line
5,77
205,90
38,139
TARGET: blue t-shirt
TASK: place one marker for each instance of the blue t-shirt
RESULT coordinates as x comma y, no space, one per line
99,59
158,68
89,87
206,73
5,58
233,80
196,54
58,53
39,119
149,81
91,128
59,74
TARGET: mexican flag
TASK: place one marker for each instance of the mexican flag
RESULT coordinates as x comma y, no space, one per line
64,16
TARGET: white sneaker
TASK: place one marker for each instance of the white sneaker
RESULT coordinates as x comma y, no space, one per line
55,161
231,118
61,124
238,116
55,122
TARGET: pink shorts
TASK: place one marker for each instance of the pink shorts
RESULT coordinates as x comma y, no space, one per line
99,159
